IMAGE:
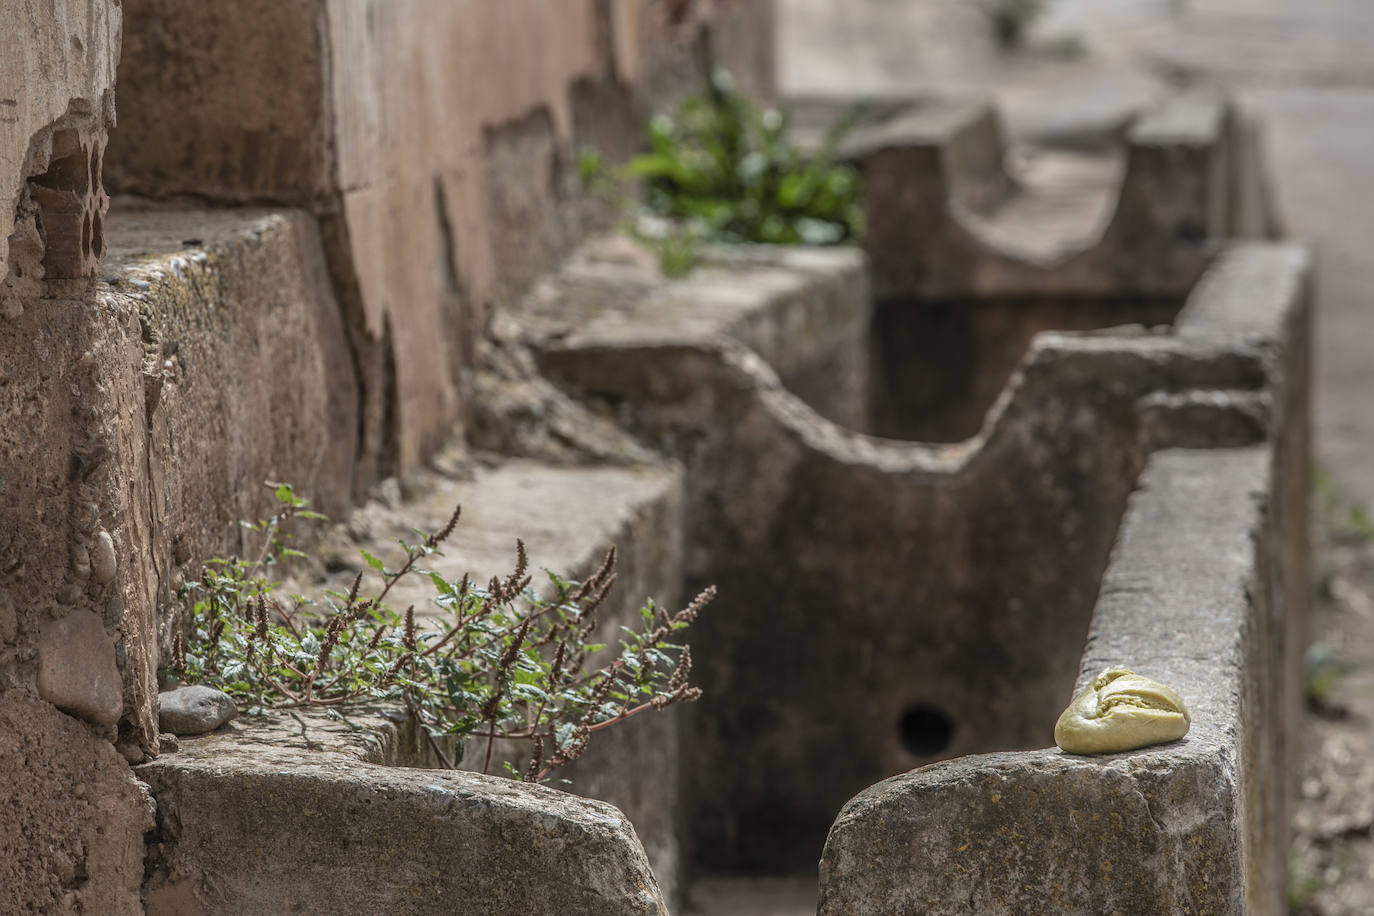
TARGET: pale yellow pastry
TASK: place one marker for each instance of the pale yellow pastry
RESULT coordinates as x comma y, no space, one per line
1121,711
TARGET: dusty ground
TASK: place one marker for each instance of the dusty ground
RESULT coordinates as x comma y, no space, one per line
1332,867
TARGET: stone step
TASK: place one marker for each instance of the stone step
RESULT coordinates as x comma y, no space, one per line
282,818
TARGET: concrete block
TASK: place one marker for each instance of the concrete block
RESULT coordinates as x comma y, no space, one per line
805,311
976,247
281,826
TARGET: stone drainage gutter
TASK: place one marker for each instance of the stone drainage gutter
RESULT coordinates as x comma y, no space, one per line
876,573
781,505
1195,597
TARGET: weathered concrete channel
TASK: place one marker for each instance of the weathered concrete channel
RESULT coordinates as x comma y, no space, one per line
885,604
938,482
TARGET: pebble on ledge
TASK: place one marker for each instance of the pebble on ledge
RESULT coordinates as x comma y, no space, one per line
195,710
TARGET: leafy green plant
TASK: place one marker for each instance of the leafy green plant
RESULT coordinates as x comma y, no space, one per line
724,170
502,662
728,166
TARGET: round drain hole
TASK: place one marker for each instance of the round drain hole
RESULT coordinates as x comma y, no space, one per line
925,729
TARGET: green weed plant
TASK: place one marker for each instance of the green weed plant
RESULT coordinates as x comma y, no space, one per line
502,661
724,170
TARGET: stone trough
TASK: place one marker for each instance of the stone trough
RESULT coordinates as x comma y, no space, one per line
885,603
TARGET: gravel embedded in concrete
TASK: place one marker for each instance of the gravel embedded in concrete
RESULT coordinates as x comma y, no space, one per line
76,669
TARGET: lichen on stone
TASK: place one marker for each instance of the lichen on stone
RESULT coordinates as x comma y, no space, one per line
1121,711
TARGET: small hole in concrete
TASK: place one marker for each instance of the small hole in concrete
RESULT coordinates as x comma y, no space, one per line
925,729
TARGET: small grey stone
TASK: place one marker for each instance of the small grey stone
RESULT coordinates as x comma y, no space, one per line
168,743
195,710
76,669
103,564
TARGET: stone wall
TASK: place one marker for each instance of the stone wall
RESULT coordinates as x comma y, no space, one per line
57,76
436,141
71,833
420,161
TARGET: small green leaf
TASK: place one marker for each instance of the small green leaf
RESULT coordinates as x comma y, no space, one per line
442,585
287,496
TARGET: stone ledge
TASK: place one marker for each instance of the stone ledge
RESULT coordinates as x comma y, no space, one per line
321,831
1038,832
567,516
218,362
805,311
